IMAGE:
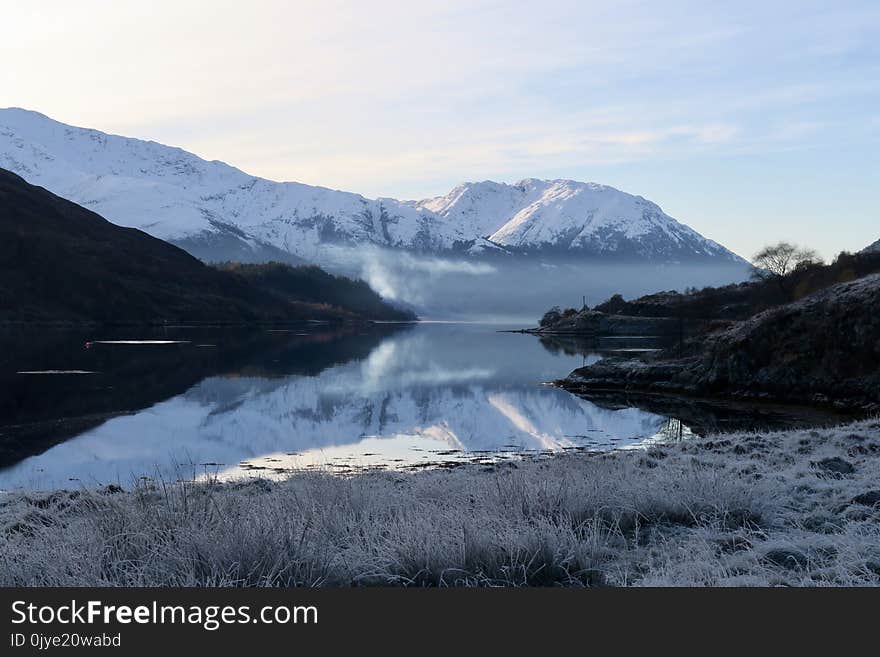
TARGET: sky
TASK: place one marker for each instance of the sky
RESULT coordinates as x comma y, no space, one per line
749,121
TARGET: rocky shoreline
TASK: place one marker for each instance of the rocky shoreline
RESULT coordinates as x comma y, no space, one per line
821,350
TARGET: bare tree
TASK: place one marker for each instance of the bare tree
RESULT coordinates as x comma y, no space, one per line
778,261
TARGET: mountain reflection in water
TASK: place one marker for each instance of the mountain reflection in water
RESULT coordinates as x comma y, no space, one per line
232,401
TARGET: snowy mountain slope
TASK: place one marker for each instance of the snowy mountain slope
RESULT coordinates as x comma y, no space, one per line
872,248
218,212
179,197
565,215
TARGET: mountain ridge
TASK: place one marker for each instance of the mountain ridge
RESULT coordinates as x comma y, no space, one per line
219,212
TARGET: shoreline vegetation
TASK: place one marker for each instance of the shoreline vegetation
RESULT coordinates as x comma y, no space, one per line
793,508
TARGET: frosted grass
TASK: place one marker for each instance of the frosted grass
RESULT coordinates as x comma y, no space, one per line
734,510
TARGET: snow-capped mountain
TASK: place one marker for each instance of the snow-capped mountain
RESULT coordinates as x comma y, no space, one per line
568,216
872,248
219,212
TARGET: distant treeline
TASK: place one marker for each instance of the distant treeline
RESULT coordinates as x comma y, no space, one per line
742,300
311,284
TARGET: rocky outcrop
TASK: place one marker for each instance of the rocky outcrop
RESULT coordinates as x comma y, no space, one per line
822,349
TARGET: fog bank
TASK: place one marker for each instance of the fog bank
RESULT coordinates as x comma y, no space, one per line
507,290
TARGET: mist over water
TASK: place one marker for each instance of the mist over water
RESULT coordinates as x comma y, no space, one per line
501,289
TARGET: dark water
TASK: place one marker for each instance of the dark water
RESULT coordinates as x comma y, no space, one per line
109,406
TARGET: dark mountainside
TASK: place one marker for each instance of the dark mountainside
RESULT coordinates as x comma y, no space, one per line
60,262
311,284
822,349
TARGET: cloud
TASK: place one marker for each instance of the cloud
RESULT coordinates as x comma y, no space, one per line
402,276
389,97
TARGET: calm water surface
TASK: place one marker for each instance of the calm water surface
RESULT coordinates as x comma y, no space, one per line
110,406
